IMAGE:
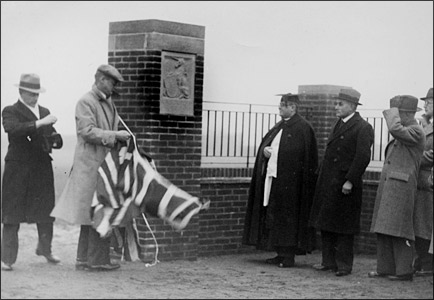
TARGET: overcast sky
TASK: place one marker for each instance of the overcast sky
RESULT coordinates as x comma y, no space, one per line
253,50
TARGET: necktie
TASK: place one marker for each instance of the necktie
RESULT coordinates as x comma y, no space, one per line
339,124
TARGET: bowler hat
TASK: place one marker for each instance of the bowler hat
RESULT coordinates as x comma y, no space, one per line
111,72
30,83
350,95
405,103
428,95
289,98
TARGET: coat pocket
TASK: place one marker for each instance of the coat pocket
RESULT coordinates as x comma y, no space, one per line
399,176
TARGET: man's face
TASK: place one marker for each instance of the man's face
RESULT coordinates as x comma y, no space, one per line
108,85
428,107
286,109
343,108
29,98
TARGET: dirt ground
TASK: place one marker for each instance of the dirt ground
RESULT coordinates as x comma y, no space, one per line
229,276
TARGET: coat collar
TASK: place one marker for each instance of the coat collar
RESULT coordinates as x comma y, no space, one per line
428,129
344,127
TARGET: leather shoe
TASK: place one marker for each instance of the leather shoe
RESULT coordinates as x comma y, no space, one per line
287,262
81,266
420,273
320,267
6,267
50,257
342,273
106,267
375,274
275,260
405,277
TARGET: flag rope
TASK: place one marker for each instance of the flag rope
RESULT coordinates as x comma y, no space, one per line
156,261
143,215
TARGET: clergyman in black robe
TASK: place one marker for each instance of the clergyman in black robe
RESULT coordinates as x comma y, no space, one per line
282,188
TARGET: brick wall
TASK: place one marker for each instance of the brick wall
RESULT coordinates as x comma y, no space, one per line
221,227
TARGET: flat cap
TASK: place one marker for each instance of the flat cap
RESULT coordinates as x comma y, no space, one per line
110,71
289,98
350,95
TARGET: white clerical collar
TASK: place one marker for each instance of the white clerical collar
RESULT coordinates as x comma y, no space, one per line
286,119
346,119
34,110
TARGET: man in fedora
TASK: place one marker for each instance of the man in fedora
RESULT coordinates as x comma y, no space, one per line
338,194
423,210
97,132
392,220
28,183
281,191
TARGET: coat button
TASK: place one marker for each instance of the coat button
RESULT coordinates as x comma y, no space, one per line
338,149
388,162
342,137
335,160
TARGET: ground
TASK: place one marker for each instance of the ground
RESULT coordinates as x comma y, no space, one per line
228,276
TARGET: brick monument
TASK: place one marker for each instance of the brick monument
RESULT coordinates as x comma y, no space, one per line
161,102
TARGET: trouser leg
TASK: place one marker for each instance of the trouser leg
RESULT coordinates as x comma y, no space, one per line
344,252
99,249
424,259
83,244
45,237
328,241
385,257
403,254
9,245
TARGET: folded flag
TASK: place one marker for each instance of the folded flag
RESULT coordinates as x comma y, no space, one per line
128,185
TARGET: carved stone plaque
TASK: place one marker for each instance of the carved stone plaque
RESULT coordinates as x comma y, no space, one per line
177,83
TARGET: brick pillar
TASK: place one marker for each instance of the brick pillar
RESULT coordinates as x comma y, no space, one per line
320,100
167,123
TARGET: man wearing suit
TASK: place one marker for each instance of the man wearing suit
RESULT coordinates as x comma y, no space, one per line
392,220
423,210
338,195
28,183
97,132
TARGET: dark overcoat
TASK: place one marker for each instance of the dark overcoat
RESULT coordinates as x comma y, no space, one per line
28,184
423,208
347,156
396,193
284,221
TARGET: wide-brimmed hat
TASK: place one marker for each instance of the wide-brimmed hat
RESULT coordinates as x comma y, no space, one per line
428,95
350,95
405,103
288,97
111,72
30,83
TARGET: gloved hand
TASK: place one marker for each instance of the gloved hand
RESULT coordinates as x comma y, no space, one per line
395,102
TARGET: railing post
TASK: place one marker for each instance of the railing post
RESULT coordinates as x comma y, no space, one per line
248,136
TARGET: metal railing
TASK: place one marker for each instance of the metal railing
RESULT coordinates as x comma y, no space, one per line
232,132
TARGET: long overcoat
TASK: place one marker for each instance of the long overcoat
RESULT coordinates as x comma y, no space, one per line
396,193
284,221
96,123
423,208
347,156
28,184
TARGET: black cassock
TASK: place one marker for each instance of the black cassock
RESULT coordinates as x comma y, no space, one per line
284,222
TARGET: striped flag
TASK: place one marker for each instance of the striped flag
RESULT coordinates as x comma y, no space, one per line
129,185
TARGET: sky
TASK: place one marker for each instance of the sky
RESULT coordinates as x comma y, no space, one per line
253,49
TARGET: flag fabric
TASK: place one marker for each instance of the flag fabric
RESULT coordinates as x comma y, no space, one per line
129,185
